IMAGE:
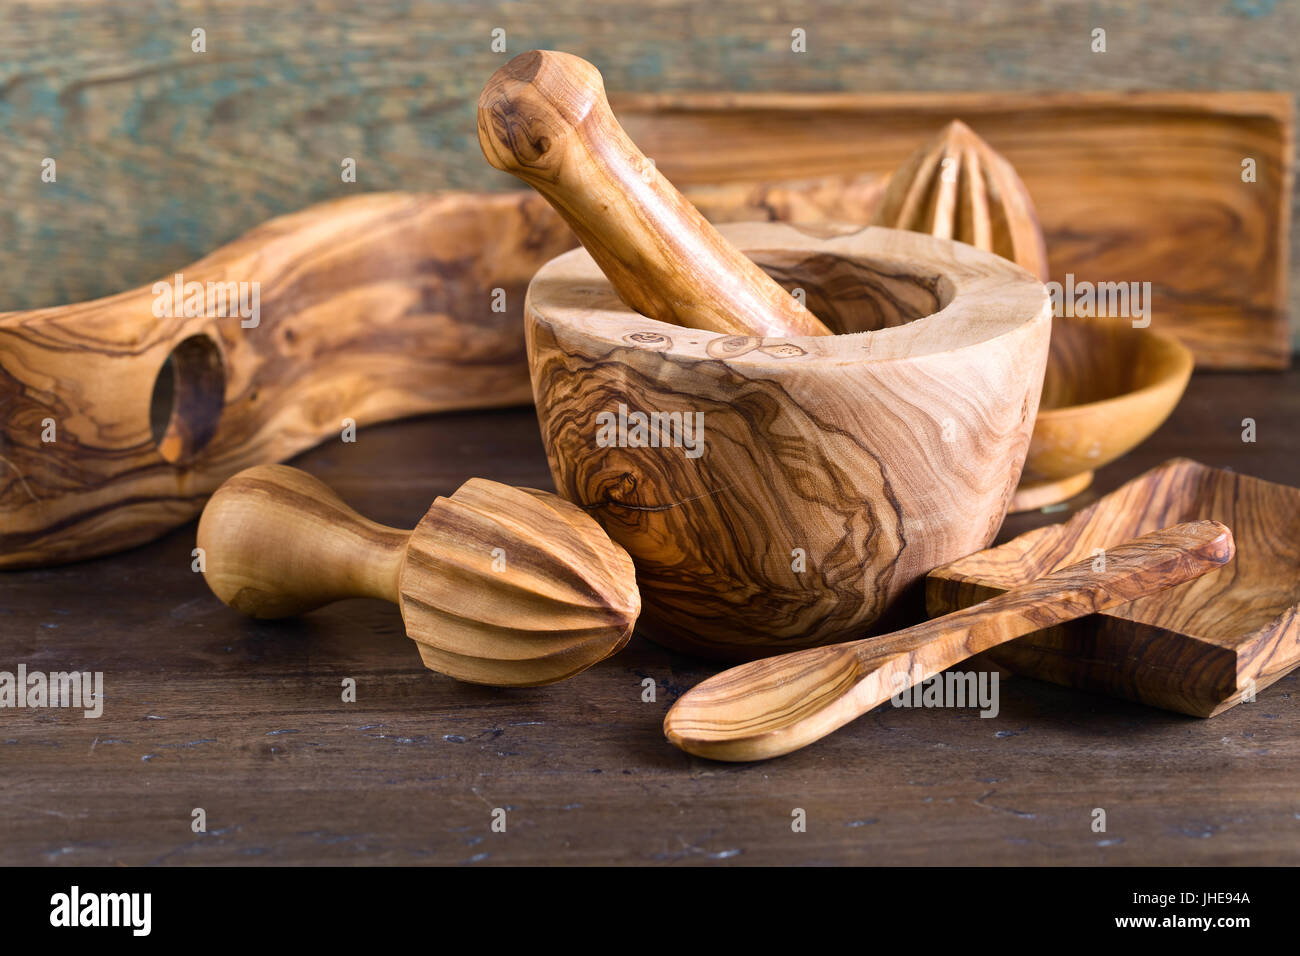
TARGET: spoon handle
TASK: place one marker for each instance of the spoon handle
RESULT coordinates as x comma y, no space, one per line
543,117
773,706
1153,562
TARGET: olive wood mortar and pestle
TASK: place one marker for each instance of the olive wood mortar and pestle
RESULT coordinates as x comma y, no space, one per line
792,484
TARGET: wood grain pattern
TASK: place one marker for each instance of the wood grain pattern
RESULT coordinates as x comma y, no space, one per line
544,117
1197,649
254,731
771,707
832,471
168,154
1108,386
1129,186
505,586
372,307
827,200
958,187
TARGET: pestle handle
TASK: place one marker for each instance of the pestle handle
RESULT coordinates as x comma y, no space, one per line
278,542
773,706
543,117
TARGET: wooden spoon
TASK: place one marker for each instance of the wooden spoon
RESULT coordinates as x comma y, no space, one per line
544,118
770,707
498,585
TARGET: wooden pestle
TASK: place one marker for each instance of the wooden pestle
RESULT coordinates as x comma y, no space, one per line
498,585
776,705
544,118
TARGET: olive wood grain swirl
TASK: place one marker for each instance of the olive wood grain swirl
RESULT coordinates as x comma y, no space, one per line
373,307
834,470
1108,386
770,707
498,585
1129,185
544,118
1197,649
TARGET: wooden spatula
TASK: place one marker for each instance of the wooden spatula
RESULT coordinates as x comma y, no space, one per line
497,585
773,706
544,118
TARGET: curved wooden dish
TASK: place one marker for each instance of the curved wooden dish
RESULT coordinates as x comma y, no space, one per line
373,307
836,470
1108,386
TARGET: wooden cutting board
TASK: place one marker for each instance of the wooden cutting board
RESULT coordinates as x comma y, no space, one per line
1199,648
1133,187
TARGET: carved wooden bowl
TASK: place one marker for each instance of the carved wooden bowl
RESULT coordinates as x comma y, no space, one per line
1108,386
833,471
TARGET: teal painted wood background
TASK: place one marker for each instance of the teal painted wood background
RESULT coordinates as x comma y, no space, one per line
163,153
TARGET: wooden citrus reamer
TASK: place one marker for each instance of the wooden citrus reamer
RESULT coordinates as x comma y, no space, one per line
497,585
770,707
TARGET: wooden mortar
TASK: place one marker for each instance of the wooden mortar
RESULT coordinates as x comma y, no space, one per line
834,471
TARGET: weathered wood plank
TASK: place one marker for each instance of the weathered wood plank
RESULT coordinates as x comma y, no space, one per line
164,154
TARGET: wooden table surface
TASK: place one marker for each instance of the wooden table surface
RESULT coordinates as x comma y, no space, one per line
245,720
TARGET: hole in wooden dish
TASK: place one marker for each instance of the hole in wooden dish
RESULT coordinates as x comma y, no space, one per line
188,396
856,294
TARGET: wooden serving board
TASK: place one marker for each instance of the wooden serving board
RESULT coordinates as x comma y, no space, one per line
1199,648
371,308
1133,187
